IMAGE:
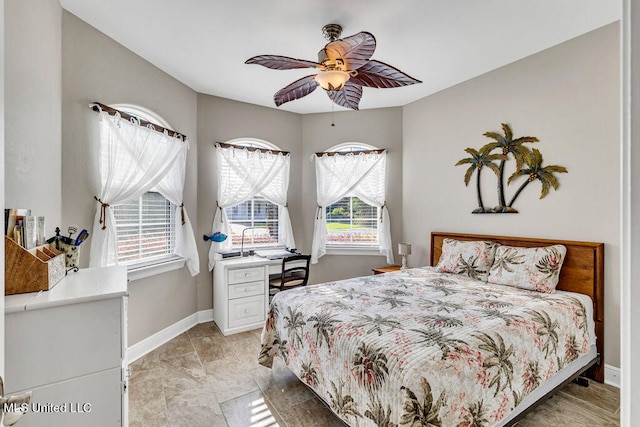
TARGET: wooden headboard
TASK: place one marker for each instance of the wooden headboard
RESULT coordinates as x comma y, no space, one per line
582,271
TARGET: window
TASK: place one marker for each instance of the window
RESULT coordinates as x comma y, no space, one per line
257,217
146,233
350,221
145,228
351,218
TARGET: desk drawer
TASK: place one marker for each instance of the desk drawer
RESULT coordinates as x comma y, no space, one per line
244,311
242,290
244,275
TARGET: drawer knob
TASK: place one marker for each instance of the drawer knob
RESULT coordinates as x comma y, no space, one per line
246,289
246,274
246,310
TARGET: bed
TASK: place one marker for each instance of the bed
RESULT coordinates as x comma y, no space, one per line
425,347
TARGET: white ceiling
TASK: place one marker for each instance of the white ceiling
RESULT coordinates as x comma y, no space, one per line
204,43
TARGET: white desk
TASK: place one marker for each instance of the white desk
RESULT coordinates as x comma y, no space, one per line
241,292
68,345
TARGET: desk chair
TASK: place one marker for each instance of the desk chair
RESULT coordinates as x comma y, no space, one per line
293,274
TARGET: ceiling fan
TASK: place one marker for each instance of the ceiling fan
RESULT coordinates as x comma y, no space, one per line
343,68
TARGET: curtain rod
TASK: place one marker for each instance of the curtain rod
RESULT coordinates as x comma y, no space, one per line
344,153
97,106
225,145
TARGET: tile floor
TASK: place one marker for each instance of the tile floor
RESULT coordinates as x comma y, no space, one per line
202,378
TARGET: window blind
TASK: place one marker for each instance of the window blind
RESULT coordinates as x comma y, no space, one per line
352,222
145,228
259,214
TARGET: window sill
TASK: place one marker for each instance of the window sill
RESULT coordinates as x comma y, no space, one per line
258,248
136,272
353,250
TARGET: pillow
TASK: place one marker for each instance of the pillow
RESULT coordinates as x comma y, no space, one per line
536,269
471,259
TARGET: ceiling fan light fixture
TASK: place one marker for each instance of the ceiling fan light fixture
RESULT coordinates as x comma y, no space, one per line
332,79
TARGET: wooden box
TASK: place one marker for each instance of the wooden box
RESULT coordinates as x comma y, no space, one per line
32,270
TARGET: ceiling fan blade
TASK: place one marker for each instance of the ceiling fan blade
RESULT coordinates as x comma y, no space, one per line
349,96
296,90
277,62
380,75
353,50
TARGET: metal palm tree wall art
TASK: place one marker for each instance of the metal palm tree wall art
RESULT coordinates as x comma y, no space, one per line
505,145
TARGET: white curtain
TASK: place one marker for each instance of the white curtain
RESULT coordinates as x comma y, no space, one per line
133,160
353,174
172,187
243,174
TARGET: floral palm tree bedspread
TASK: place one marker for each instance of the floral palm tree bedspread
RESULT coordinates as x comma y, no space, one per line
421,348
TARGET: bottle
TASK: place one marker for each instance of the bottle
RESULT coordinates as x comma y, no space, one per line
40,237
17,233
29,232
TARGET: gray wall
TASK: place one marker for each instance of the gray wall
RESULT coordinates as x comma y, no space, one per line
381,128
30,96
221,120
32,100
630,337
96,68
569,97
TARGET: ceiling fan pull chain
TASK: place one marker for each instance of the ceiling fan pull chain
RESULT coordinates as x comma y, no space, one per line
332,123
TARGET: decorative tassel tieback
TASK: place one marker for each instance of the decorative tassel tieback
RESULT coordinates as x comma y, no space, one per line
103,213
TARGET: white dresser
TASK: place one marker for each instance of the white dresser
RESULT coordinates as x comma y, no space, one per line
241,292
68,345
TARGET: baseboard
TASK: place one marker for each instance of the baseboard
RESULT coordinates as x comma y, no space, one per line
205,316
154,341
612,375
